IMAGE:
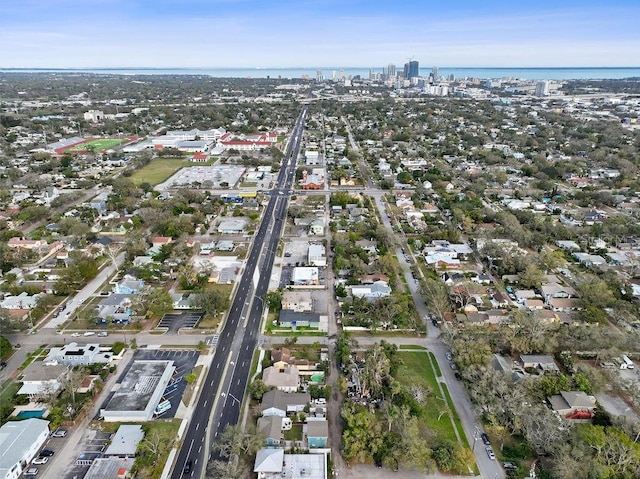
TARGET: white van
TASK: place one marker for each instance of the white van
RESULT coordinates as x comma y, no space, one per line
89,333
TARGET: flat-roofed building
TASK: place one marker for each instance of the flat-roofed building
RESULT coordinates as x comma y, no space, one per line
125,442
140,392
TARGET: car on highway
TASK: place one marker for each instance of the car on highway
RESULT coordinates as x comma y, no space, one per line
46,453
103,334
187,467
59,433
40,460
75,335
32,471
89,333
490,452
485,439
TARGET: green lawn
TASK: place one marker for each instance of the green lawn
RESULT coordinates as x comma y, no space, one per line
99,144
162,168
417,370
294,434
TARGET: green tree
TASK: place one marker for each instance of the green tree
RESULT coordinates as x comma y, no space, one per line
211,302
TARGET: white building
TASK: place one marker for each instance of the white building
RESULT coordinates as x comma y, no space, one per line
76,355
376,290
317,255
302,276
94,116
20,442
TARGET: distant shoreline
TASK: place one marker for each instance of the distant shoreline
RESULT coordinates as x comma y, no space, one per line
524,73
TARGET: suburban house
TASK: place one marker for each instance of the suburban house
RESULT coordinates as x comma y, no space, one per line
21,301
371,292
115,308
41,379
271,429
20,442
77,355
282,358
317,432
316,255
159,241
286,379
182,300
294,319
543,362
273,463
316,227
573,404
232,226
128,285
278,403
35,245
299,301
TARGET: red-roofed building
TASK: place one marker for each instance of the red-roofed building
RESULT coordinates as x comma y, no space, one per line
247,142
200,158
161,240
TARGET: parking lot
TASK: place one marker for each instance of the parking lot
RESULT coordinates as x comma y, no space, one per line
174,321
92,446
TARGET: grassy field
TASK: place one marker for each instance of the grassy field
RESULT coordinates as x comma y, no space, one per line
100,144
417,370
158,170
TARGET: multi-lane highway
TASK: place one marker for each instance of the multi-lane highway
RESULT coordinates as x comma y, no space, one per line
219,403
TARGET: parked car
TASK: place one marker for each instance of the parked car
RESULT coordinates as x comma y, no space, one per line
89,333
46,453
485,438
453,366
509,465
75,335
32,471
40,460
448,356
103,334
490,453
59,433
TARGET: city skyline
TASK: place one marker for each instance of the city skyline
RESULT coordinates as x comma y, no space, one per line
281,34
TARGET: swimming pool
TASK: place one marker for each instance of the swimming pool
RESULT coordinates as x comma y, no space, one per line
38,413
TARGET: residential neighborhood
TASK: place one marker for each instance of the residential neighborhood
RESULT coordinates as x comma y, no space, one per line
334,276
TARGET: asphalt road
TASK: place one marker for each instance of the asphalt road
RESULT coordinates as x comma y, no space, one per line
224,386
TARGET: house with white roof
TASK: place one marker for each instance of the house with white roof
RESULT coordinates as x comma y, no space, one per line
20,442
371,292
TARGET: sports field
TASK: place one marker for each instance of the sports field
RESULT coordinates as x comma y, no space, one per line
99,144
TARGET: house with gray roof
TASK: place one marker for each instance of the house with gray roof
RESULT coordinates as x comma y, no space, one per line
279,403
271,428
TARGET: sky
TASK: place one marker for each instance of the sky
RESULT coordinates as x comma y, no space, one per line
316,33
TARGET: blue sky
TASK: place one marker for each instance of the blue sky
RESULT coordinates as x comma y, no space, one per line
309,33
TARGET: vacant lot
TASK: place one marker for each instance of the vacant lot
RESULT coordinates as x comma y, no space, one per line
417,370
159,170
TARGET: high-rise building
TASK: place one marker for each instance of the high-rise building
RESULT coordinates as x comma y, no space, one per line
542,88
391,71
435,73
319,76
411,70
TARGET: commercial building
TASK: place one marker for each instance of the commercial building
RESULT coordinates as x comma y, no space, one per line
302,276
140,392
20,442
126,440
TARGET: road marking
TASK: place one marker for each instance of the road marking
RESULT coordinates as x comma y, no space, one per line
197,426
199,449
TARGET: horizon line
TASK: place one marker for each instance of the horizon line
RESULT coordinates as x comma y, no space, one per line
258,68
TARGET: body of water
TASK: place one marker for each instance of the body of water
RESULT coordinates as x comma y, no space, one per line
335,72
